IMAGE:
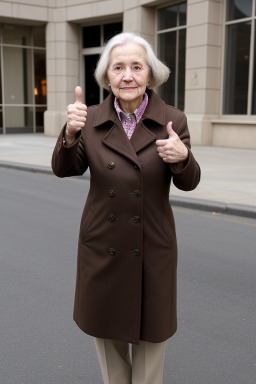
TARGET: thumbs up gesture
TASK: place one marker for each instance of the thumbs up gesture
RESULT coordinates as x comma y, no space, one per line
172,150
76,116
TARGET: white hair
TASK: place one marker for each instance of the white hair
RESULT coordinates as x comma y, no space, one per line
159,71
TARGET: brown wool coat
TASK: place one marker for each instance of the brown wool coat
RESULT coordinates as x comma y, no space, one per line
127,251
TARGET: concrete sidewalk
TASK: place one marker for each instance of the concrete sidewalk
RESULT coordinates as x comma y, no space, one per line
228,182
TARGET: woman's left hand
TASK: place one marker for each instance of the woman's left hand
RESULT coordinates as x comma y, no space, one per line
172,150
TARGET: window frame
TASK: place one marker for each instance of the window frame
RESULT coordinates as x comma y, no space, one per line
167,30
249,116
31,48
95,50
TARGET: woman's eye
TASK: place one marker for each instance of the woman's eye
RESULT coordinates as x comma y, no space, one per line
118,68
137,67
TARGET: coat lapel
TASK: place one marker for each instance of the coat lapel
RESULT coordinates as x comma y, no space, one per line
142,137
116,137
155,112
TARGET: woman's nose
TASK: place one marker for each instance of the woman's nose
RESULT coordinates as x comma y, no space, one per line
127,75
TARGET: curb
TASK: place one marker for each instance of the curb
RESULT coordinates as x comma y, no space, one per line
183,202
26,167
214,206
33,168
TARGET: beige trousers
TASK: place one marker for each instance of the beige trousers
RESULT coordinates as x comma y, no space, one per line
144,365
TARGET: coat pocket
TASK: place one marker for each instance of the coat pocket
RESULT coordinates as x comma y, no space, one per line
168,227
86,224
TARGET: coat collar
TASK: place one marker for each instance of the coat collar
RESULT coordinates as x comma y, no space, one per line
116,137
155,110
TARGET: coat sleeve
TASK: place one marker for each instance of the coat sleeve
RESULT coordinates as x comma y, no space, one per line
188,178
69,160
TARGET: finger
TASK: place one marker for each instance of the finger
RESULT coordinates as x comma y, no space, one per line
162,149
170,131
78,93
161,143
169,128
77,118
80,106
76,124
74,109
167,159
77,112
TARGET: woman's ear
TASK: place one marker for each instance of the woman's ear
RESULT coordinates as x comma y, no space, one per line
106,81
150,76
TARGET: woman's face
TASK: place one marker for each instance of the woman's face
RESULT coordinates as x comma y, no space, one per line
128,74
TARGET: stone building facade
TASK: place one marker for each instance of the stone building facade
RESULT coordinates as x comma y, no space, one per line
47,47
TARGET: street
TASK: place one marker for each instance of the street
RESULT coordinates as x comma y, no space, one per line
40,344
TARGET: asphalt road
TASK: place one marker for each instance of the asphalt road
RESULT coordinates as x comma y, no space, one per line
40,343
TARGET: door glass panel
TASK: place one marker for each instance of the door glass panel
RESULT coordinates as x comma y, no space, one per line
40,77
19,119
92,91
91,36
103,32
16,34
40,119
237,68
238,9
18,75
111,30
39,37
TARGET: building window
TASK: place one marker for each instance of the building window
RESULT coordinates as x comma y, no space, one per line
171,43
93,39
239,97
22,78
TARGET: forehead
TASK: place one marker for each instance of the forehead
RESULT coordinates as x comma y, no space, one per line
128,52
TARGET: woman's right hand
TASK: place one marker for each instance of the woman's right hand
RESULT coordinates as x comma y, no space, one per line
76,117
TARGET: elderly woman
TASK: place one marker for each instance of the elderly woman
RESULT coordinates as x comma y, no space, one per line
135,146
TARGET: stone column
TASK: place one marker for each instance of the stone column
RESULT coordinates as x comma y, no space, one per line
62,44
139,19
203,67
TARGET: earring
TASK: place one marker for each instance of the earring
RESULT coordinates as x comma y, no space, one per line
109,84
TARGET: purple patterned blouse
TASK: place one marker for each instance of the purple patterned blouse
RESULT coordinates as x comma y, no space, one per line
129,122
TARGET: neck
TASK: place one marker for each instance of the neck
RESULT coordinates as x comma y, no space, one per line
129,107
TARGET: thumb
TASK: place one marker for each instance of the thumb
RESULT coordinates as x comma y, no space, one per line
78,93
170,131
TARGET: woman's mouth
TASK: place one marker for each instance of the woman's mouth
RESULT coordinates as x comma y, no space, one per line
128,88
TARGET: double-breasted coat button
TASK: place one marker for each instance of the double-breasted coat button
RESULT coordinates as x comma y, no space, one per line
111,217
111,193
137,193
112,251
111,165
136,219
135,251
